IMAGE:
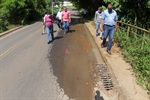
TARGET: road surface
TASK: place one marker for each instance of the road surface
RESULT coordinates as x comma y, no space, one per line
30,69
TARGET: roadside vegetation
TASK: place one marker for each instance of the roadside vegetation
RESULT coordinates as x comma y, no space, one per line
15,12
135,43
135,46
20,12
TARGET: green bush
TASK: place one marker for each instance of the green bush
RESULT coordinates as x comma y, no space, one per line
2,25
20,11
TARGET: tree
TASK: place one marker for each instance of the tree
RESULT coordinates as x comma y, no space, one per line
21,11
135,12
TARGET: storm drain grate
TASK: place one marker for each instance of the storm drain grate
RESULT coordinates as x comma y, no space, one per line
105,76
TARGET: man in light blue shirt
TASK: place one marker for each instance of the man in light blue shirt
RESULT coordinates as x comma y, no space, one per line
109,26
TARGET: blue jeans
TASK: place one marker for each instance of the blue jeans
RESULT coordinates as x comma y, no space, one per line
108,31
66,26
49,30
59,23
97,28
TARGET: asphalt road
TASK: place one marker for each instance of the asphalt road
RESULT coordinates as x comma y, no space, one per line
30,69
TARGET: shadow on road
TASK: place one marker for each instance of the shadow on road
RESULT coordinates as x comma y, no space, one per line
98,96
58,37
76,20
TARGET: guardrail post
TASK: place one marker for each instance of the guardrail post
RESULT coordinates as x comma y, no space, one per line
143,40
128,31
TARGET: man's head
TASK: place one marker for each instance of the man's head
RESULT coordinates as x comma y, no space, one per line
100,9
59,9
45,12
110,7
49,13
65,9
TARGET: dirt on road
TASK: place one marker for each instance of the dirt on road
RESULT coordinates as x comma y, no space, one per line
72,59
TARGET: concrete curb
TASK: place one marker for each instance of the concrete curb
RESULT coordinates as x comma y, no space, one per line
9,31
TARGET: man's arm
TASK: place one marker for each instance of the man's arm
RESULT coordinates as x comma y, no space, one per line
102,25
116,26
62,17
102,22
116,23
95,16
69,17
57,16
44,18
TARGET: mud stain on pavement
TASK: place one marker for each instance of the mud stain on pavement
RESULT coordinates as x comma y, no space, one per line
72,59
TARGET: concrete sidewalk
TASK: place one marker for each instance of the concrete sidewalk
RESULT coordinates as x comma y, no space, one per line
123,71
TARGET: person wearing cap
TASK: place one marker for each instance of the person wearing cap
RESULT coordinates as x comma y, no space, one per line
109,22
98,19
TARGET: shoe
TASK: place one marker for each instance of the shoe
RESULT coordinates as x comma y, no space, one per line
53,40
65,32
48,42
109,52
101,38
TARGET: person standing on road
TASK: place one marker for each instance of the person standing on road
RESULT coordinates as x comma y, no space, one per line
49,27
66,19
44,26
98,19
59,17
109,22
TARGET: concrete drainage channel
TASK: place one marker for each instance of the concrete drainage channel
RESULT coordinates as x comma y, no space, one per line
106,82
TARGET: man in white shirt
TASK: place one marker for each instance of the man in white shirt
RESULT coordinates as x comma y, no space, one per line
59,17
44,23
98,19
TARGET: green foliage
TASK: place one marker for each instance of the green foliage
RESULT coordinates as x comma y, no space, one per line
20,11
135,12
136,52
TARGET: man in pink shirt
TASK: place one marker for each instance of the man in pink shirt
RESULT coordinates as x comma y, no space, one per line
66,19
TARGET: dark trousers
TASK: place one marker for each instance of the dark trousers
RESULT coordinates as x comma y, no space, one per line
59,23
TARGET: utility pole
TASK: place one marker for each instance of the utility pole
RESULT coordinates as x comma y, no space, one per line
52,7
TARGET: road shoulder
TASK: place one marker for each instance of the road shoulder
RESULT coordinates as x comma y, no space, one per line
9,31
122,70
